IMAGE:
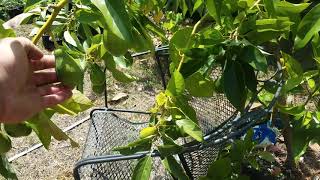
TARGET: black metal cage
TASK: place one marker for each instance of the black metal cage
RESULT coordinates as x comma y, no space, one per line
218,119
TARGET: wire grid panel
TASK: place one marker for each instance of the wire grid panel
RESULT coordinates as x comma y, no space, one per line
109,130
211,112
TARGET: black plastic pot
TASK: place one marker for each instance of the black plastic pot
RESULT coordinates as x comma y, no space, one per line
15,11
48,44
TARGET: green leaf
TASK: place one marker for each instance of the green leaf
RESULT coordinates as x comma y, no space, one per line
197,5
98,79
269,5
176,85
30,4
191,128
266,156
142,170
308,27
5,168
250,77
5,143
124,61
177,43
199,86
285,8
293,67
293,110
279,24
4,33
87,16
255,58
45,128
69,70
174,168
169,147
155,29
72,39
76,104
234,85
214,9
136,146
220,169
116,17
118,37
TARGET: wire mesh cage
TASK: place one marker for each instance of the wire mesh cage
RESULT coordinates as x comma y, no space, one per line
218,119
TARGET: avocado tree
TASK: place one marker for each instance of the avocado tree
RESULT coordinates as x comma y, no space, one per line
240,36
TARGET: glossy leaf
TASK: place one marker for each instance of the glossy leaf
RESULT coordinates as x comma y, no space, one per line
286,8
177,43
199,86
69,70
30,4
269,5
169,147
136,146
234,85
214,8
308,27
293,67
255,58
191,128
267,156
142,170
174,168
76,104
176,85
220,169
5,168
116,17
4,32
87,16
45,129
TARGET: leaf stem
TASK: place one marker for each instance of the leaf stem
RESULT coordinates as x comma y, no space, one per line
194,30
50,20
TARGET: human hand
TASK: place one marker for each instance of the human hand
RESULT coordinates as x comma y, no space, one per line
28,81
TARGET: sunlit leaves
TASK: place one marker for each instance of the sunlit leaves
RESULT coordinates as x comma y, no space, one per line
255,58
4,32
176,85
214,8
142,170
118,37
171,164
308,27
69,69
136,146
45,128
191,128
199,86
177,43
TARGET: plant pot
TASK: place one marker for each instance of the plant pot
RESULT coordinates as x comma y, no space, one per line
15,11
48,44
